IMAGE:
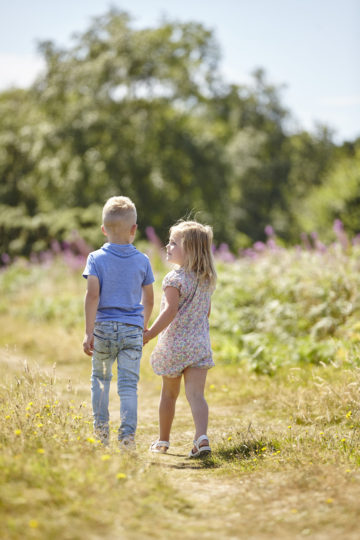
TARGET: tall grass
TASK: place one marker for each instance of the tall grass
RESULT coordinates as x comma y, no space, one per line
286,458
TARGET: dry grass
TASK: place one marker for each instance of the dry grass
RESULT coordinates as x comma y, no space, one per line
285,460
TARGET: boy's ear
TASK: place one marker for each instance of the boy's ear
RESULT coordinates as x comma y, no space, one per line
103,230
133,228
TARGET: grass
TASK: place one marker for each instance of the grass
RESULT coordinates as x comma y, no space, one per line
285,460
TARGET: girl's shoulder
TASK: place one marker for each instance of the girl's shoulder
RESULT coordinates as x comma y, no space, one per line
181,279
175,278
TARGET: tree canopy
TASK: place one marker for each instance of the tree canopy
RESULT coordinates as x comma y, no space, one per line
146,113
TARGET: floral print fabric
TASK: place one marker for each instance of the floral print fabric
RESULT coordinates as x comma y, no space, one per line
186,341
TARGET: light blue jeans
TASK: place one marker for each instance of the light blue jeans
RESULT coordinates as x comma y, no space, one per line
116,340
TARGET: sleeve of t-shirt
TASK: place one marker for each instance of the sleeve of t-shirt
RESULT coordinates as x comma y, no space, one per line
149,276
90,268
172,280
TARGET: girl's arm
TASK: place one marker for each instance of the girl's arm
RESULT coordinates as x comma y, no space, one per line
172,296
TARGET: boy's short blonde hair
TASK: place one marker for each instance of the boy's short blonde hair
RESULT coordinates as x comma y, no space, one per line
119,209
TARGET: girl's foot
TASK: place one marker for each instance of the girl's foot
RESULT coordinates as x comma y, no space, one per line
159,447
201,447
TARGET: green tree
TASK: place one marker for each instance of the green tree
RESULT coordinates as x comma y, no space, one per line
122,104
146,114
338,197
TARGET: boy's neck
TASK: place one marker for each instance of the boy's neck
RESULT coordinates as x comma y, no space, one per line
120,241
121,237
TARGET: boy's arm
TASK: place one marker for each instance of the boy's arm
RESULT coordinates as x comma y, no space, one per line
91,305
147,301
172,296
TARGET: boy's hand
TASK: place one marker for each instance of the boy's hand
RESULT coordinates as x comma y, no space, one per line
88,344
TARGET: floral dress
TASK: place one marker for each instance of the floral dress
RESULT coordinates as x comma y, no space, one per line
186,341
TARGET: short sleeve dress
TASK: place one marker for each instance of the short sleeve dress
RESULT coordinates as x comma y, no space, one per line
186,341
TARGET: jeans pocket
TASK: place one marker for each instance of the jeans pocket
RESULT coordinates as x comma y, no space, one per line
101,344
103,333
134,340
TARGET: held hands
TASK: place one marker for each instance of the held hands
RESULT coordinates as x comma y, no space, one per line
146,337
88,344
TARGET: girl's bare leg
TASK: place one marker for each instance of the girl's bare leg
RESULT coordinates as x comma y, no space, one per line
169,393
195,379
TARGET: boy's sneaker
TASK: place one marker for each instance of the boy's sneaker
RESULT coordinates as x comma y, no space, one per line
103,436
127,443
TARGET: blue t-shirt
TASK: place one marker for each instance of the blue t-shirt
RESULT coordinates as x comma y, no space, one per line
122,272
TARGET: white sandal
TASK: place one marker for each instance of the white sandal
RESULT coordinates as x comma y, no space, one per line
159,447
200,450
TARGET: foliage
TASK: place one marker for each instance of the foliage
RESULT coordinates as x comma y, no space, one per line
272,307
336,198
31,235
288,307
145,112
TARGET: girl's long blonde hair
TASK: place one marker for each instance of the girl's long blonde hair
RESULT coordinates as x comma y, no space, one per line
196,241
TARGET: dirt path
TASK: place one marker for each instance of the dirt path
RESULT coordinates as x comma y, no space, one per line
291,499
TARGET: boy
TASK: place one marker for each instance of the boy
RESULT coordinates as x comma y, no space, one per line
118,304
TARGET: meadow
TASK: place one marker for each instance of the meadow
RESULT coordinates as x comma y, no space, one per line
284,403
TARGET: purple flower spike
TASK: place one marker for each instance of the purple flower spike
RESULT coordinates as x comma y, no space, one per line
55,247
153,237
224,254
259,247
5,258
269,231
338,226
305,241
356,240
341,235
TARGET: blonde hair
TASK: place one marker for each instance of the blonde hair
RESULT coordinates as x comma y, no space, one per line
119,209
196,241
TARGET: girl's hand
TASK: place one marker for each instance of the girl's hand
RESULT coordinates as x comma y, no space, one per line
146,337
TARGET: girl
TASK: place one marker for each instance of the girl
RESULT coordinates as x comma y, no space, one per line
184,346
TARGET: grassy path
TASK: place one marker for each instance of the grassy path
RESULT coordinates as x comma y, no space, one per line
285,462
309,491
